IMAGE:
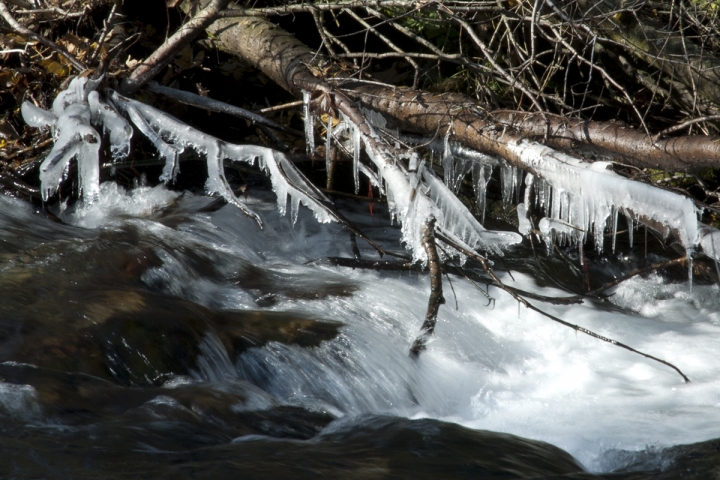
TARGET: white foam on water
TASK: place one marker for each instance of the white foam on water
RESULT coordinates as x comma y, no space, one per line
115,202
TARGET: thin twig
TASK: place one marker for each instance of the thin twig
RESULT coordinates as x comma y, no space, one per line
686,124
284,106
103,35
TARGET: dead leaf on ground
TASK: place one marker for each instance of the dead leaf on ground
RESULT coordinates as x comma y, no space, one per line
55,67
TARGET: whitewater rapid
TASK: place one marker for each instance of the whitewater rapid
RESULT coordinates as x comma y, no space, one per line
493,366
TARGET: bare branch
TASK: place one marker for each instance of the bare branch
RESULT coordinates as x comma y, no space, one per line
152,65
26,32
436,294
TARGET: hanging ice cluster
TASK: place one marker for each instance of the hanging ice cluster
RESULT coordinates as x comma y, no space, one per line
576,197
580,197
76,113
415,195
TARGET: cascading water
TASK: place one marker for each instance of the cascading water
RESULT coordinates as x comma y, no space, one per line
341,347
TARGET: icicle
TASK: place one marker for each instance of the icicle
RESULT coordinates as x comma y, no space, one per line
507,177
380,177
524,226
517,183
356,155
309,119
455,219
690,252
481,176
614,227
631,228
119,131
448,162
170,153
565,207
460,169
88,160
294,207
413,162
715,255
328,145
529,184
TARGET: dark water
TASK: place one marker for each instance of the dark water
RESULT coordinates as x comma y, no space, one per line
122,357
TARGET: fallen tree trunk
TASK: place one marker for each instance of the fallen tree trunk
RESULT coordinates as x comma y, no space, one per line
283,58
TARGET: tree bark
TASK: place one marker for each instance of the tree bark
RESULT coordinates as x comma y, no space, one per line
285,60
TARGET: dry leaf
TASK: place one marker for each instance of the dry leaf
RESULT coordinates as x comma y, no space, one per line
323,102
131,63
54,67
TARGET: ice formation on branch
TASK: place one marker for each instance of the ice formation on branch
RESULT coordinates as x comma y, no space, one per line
415,195
75,113
172,137
580,197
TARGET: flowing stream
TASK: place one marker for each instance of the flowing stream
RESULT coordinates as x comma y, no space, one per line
149,334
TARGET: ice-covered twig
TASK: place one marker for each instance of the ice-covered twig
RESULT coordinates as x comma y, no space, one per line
416,197
75,112
457,220
117,129
584,196
212,105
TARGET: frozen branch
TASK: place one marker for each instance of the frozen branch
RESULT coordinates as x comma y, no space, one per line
211,105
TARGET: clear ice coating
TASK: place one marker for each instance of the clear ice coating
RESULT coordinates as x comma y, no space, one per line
72,120
481,176
415,195
457,220
37,117
577,197
524,226
169,153
114,126
328,144
448,162
508,178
